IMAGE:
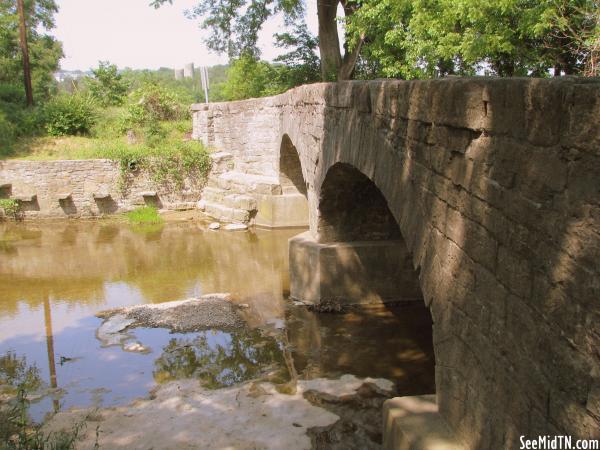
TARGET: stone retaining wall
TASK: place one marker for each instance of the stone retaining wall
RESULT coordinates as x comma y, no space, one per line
84,188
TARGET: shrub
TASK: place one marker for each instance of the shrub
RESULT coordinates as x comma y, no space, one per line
7,135
22,121
69,115
168,164
153,103
108,123
177,161
107,86
10,207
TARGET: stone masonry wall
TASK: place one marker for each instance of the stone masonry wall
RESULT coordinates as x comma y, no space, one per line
495,185
69,188
244,129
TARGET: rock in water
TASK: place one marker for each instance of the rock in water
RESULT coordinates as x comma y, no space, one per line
236,227
214,226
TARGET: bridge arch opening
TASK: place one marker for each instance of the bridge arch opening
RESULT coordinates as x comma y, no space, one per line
352,208
355,223
359,257
290,169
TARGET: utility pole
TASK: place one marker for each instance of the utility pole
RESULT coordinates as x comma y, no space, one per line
205,82
25,52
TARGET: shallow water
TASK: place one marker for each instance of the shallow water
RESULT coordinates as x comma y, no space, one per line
55,276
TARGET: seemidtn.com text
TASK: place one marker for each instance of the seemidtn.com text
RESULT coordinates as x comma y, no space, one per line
558,443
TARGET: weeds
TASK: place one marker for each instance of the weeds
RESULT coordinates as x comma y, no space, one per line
10,207
145,215
17,432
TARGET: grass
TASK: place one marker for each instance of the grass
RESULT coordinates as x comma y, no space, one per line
145,215
107,139
163,149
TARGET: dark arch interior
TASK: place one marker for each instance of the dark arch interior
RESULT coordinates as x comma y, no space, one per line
353,209
290,169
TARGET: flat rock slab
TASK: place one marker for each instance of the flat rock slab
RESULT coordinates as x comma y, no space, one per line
414,423
185,415
194,314
236,227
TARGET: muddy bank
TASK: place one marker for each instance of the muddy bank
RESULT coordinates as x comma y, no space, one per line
255,415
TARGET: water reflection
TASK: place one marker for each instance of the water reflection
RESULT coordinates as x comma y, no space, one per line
57,276
16,373
219,359
50,349
388,342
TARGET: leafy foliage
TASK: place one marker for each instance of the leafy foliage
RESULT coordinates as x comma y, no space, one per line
234,24
107,86
69,115
44,50
11,207
7,134
152,103
428,38
248,78
169,163
300,65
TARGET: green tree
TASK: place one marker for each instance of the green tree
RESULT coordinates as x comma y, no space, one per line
44,50
425,38
234,27
249,77
301,64
107,85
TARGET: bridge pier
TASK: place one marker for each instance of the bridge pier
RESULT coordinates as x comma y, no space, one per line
357,272
288,210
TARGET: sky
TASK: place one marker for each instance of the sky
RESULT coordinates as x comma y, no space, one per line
130,33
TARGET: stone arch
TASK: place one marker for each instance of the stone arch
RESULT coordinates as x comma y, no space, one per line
291,177
356,223
352,208
287,205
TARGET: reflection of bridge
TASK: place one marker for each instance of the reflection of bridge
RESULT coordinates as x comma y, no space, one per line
479,196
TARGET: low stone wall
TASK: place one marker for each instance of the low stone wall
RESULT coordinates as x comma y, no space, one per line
85,188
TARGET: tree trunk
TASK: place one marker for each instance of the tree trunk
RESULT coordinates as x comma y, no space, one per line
25,52
329,43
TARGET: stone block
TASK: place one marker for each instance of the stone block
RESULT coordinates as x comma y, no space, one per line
282,211
363,272
414,423
25,198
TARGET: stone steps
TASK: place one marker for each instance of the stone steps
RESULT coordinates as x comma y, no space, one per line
226,214
232,196
415,423
246,183
229,199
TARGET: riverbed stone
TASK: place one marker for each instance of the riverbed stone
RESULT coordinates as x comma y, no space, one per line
235,227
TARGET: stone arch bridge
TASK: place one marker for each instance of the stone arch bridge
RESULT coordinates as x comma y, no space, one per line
480,196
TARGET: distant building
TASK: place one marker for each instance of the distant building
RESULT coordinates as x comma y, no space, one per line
188,70
63,75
